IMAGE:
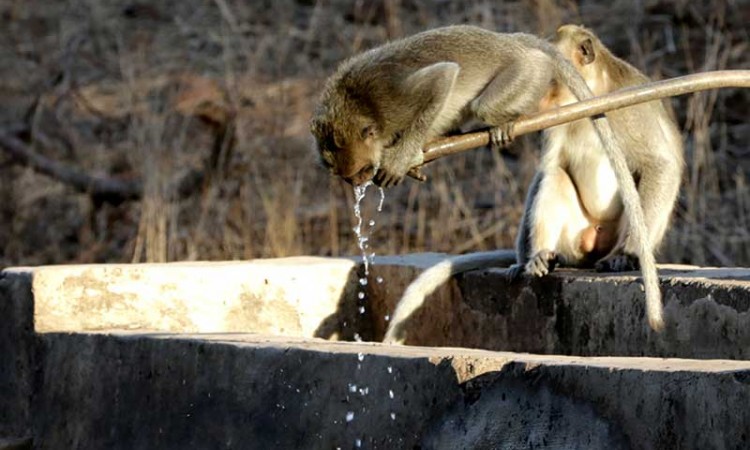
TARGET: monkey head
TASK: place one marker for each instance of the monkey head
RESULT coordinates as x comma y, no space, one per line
348,145
584,50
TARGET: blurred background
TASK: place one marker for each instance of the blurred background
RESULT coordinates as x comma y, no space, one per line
178,129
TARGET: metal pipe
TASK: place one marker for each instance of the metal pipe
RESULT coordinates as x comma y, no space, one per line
591,107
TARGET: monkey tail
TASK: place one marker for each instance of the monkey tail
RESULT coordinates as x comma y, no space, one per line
630,197
434,277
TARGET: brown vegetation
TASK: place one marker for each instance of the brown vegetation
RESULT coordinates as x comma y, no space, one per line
192,116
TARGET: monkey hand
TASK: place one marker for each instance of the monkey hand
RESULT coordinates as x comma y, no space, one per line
385,178
501,136
396,164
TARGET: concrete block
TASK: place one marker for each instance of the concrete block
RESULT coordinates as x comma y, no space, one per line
16,353
131,391
574,312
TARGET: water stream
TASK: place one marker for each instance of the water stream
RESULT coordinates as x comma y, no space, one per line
363,236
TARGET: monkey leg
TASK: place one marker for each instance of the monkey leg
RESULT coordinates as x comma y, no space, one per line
552,226
658,188
429,88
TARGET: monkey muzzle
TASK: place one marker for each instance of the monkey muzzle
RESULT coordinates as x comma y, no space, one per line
363,176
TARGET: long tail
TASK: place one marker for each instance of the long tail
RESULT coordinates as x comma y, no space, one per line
630,197
435,276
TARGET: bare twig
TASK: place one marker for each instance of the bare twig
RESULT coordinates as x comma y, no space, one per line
592,107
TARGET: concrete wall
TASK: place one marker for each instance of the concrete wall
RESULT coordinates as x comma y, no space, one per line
120,391
707,312
110,363
571,312
16,354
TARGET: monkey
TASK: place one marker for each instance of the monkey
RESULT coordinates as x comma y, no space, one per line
576,210
380,107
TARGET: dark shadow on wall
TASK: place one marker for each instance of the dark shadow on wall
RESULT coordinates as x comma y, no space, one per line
518,408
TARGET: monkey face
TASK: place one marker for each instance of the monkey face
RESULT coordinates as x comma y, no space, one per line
353,158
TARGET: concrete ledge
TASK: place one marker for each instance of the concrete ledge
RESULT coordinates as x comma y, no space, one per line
75,382
124,391
583,313
570,312
286,296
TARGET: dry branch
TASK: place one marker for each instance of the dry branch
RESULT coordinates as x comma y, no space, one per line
104,189
592,107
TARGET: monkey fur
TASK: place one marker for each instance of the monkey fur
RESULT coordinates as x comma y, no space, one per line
380,107
579,210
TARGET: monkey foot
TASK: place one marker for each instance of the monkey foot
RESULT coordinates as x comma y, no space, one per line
501,136
542,263
618,263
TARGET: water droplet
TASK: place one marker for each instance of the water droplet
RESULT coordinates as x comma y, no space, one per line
371,223
390,393
390,369
361,309
387,317
352,388
382,199
363,281
349,416
357,337
379,279
393,416
361,357
358,442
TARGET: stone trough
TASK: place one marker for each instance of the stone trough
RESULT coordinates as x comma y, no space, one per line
260,354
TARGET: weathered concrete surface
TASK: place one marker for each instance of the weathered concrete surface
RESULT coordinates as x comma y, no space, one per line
569,312
131,391
16,356
286,296
707,312
157,389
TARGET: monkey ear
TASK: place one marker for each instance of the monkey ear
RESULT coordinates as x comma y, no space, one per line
586,48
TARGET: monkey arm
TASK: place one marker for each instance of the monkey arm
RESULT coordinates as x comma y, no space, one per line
428,89
515,90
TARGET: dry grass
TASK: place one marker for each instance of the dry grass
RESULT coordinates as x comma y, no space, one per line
136,89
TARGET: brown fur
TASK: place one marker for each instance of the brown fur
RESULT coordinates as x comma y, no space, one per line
575,195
